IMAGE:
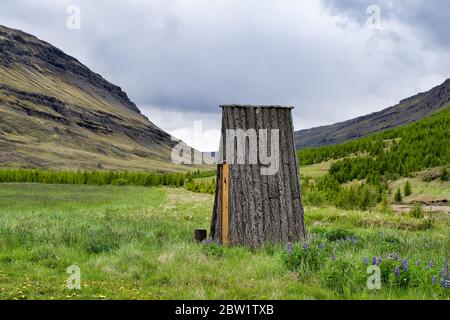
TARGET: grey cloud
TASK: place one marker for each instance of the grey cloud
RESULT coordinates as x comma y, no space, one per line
192,55
428,18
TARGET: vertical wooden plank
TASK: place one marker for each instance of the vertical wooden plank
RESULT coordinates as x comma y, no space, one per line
254,122
273,183
224,218
253,185
240,123
240,207
232,230
262,123
281,176
286,163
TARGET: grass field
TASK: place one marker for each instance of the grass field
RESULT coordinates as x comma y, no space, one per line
137,243
424,191
316,170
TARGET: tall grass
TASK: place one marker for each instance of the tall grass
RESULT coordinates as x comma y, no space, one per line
138,243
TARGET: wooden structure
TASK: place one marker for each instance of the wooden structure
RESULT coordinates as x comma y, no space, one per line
252,208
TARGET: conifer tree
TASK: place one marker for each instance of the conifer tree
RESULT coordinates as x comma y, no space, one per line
407,190
398,196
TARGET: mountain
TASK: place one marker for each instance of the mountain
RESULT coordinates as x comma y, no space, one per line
56,113
407,111
400,151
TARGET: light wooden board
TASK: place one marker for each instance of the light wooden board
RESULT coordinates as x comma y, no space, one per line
224,217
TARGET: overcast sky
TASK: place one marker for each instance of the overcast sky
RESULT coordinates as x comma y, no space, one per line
180,59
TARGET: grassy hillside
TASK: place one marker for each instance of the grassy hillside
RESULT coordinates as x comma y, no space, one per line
55,113
396,152
407,111
367,173
137,243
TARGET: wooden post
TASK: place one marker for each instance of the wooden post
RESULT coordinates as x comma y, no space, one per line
224,215
200,235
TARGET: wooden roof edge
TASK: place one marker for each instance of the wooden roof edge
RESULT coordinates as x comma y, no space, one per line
255,106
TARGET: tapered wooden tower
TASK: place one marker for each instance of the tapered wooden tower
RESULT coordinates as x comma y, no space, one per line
258,199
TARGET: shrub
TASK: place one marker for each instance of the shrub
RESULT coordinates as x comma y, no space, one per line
387,268
201,187
402,278
339,234
305,258
385,207
398,196
395,272
314,198
407,189
417,212
360,197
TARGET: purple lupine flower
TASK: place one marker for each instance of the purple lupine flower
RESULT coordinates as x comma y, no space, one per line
374,261
445,283
305,246
430,265
289,247
366,260
445,276
435,281
397,271
395,256
405,264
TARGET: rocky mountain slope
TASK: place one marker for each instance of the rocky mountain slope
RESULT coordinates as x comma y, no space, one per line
407,111
56,113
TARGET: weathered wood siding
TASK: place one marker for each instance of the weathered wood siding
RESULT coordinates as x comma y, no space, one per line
262,209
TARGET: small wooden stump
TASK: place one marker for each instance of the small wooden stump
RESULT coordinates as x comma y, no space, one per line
200,235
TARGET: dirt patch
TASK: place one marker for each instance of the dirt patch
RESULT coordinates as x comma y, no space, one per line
427,208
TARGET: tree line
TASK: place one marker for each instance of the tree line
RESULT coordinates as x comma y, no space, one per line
393,153
100,177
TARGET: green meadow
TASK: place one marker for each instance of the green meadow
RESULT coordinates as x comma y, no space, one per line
133,242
